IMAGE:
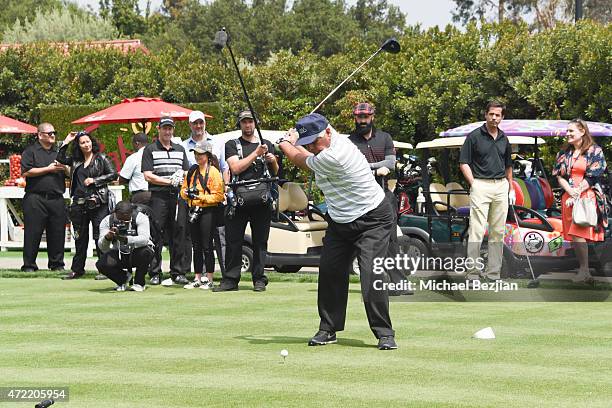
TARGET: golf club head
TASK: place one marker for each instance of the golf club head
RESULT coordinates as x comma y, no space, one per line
221,39
533,283
391,46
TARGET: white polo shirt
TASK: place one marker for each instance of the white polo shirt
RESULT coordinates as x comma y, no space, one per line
131,171
345,177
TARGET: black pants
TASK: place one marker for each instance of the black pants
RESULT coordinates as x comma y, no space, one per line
369,234
259,217
171,214
81,217
395,275
42,213
116,266
219,240
202,233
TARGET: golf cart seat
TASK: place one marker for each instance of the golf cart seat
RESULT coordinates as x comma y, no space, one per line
459,198
439,198
292,199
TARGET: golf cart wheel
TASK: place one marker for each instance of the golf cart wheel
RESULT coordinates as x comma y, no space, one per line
247,259
287,268
413,247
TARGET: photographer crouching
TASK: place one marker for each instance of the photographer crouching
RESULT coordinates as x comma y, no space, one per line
125,243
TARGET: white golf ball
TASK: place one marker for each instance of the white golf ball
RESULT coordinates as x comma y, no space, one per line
284,353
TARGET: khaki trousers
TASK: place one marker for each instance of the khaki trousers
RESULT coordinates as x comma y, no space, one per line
488,205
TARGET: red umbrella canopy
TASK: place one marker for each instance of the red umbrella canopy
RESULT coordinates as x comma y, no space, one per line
8,125
139,109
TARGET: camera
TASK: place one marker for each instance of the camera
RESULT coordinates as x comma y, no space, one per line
192,193
92,202
123,229
194,214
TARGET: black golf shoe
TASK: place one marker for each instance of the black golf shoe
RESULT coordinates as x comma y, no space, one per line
155,280
322,338
387,343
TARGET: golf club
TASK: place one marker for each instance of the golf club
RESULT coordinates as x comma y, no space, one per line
391,46
533,283
222,40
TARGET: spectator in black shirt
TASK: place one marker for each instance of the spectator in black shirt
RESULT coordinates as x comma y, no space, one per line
247,160
43,203
163,164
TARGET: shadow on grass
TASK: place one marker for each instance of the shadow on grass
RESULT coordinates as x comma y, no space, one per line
342,341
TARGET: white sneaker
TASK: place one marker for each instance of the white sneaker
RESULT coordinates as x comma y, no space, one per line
193,285
138,288
167,282
206,285
121,288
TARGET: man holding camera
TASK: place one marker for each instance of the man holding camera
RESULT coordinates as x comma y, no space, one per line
248,160
125,242
163,165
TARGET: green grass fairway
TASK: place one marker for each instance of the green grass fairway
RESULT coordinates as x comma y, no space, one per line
169,347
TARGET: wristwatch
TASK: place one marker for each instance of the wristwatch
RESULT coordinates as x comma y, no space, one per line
281,140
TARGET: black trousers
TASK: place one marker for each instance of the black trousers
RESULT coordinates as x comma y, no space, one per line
202,233
219,240
369,235
116,266
81,217
395,275
259,216
41,213
171,214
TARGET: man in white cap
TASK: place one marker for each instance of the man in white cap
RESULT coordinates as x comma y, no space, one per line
197,123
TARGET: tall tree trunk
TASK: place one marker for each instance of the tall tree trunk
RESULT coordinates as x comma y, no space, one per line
500,11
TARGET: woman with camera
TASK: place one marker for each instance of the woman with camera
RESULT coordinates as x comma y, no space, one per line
579,169
90,174
204,191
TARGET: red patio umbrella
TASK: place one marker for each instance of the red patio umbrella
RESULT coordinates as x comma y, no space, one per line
8,125
138,109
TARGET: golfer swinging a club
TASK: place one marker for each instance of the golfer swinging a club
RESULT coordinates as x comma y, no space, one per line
358,220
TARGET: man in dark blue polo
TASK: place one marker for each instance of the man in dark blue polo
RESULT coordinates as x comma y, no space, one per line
486,163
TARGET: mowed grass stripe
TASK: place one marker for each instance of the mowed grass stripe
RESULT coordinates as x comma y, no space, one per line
172,347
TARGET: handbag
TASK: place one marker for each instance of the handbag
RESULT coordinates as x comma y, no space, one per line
584,212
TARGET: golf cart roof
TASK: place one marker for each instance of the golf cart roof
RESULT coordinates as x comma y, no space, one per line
457,142
402,145
535,127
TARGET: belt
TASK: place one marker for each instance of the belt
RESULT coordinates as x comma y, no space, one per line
495,180
48,196
139,191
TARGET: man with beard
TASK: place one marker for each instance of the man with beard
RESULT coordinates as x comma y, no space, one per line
248,160
377,147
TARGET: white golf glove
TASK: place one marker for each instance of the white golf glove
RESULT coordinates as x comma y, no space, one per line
511,197
382,171
177,178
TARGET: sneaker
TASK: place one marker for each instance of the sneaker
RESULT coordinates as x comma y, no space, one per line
180,280
167,282
472,277
387,343
121,288
193,285
155,280
138,288
259,286
100,277
322,338
206,285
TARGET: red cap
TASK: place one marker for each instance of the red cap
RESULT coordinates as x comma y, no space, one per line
363,108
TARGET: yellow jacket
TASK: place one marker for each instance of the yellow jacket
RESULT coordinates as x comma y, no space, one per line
215,186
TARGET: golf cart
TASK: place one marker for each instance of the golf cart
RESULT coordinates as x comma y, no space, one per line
534,231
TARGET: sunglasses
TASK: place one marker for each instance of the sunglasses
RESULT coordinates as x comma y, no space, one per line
51,133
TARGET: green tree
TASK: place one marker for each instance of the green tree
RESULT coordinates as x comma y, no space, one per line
125,15
60,25
13,10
